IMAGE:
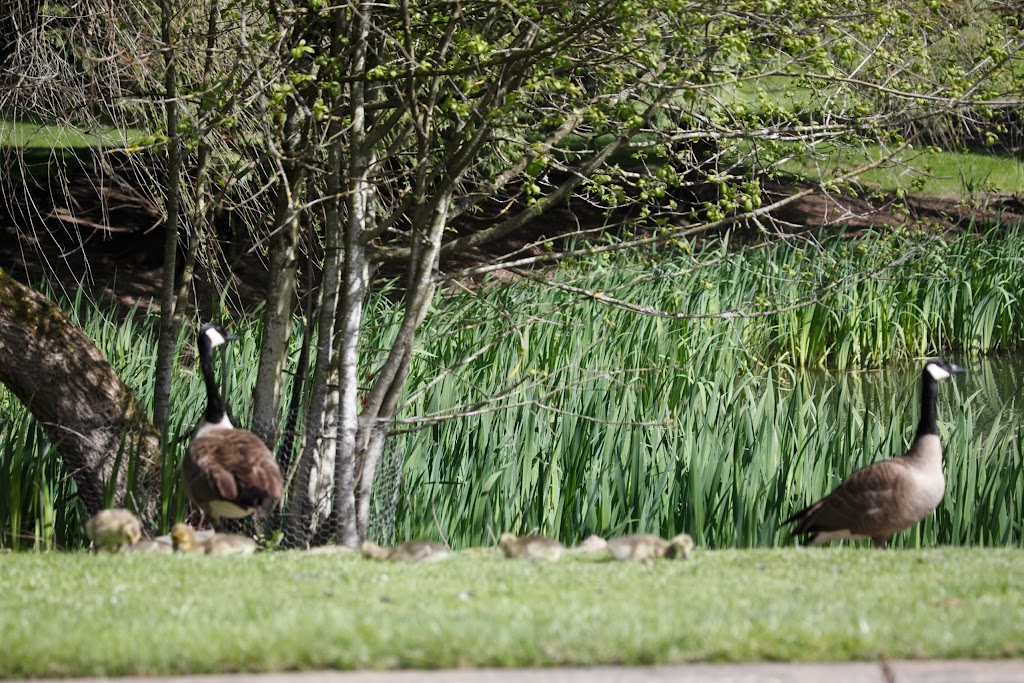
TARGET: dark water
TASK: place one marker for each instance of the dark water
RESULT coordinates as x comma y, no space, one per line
993,386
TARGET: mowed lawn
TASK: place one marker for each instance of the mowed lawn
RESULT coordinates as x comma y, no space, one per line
76,614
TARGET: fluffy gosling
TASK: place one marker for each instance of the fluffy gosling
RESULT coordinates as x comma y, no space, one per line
530,547
648,547
184,539
410,551
113,530
591,544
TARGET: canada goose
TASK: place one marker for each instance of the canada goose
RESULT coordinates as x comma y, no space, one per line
530,547
227,472
184,539
410,551
648,547
891,495
113,530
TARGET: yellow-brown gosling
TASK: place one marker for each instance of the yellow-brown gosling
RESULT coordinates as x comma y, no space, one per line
113,530
184,539
591,544
888,496
410,551
161,544
680,547
530,547
648,547
227,471
330,550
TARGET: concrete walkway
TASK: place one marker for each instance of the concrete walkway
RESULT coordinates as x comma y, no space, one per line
959,671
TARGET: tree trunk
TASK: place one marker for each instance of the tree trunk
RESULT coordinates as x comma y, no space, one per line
355,280
165,349
88,413
315,466
383,399
277,316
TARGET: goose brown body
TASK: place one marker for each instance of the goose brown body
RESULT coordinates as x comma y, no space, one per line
889,496
231,473
227,472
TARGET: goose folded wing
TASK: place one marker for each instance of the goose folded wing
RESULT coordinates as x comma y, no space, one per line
233,465
862,503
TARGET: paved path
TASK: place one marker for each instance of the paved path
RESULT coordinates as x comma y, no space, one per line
998,671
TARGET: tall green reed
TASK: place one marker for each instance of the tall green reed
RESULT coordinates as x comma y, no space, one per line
623,422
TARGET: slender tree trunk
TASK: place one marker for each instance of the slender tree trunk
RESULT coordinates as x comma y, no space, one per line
277,316
300,522
290,438
88,413
353,296
381,404
311,486
168,327
349,321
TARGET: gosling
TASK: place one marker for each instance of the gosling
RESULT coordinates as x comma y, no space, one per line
648,547
530,547
410,551
184,539
113,530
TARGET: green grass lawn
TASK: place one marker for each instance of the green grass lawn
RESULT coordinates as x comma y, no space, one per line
927,172
78,614
29,135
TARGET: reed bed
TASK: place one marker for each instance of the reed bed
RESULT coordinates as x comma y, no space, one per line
613,422
533,408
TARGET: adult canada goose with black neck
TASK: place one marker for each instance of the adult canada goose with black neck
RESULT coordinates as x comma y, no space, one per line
889,496
227,472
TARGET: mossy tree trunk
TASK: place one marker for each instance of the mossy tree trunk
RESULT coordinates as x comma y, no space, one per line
103,434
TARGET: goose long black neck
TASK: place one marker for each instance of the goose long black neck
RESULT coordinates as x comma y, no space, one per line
929,414
214,403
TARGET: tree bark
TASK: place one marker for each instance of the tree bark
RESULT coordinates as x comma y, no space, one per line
277,316
168,337
89,415
355,281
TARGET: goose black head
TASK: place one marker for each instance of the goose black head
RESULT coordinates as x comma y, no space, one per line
939,369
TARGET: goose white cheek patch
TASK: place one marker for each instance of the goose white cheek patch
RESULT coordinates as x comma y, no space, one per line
215,337
937,373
